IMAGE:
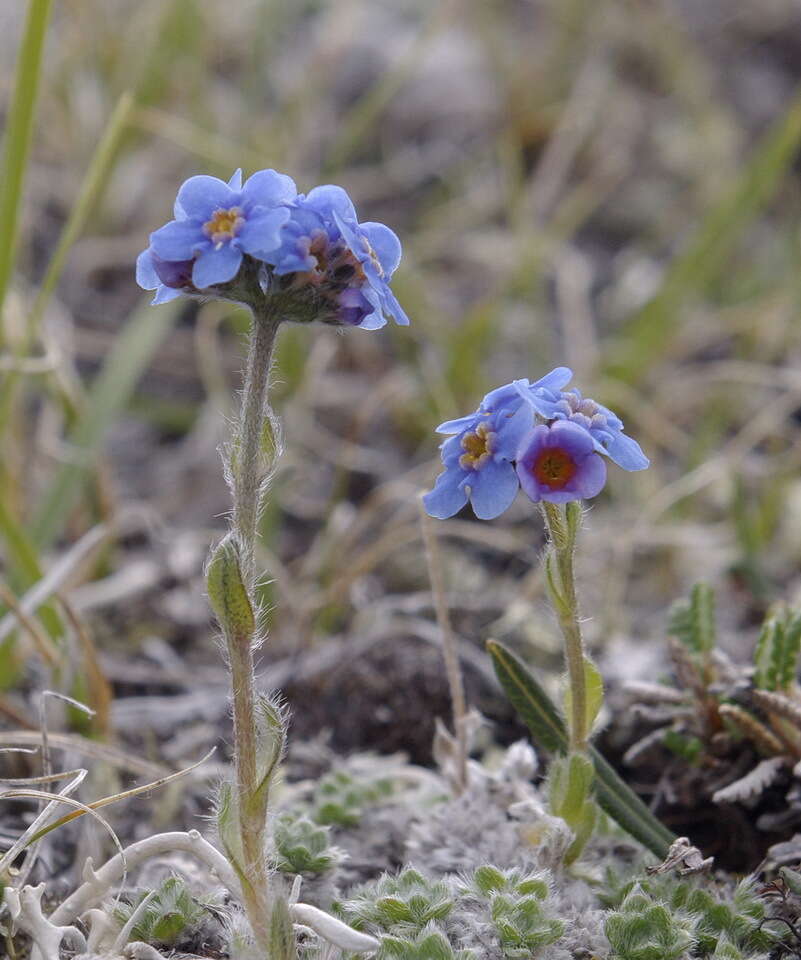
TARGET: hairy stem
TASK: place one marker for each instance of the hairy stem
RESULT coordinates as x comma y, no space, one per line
563,539
249,471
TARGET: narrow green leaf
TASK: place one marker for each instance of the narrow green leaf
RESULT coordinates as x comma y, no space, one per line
529,699
594,691
765,656
228,828
538,712
228,595
19,128
111,391
792,648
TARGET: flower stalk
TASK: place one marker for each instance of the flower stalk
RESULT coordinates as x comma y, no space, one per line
232,591
563,523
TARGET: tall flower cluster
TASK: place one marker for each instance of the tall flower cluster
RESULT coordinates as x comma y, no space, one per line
262,238
550,441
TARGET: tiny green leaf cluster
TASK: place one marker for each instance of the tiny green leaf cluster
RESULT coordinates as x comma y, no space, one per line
777,652
429,944
693,622
411,913
517,906
408,901
660,918
341,798
169,916
303,846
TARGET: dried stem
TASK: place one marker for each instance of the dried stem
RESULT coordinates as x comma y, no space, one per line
450,650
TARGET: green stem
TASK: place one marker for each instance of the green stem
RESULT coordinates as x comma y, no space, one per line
249,472
562,526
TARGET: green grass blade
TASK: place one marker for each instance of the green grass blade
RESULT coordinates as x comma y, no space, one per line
109,394
22,565
92,187
19,130
541,717
647,335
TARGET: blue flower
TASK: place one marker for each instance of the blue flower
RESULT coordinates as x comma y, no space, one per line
343,265
548,440
559,463
605,428
479,458
215,225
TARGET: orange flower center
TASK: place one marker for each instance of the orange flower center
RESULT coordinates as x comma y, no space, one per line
477,447
554,468
223,225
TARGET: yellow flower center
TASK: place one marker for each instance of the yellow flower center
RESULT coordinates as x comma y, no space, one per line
477,447
223,225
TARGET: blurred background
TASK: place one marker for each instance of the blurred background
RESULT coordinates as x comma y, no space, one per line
611,186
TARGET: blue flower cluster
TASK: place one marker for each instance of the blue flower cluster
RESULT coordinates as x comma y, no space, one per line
550,441
309,250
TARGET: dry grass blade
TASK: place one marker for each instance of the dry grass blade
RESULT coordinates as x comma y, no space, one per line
26,838
54,579
123,795
81,809
88,748
41,641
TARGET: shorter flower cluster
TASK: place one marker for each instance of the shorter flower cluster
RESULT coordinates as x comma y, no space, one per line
550,441
264,239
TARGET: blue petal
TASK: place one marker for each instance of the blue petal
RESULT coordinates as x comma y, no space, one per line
164,295
385,243
369,304
572,437
494,487
177,240
447,497
511,431
394,309
538,398
451,450
200,196
261,234
235,183
461,423
558,378
218,265
330,199
591,476
267,188
373,321
505,397
146,275
627,453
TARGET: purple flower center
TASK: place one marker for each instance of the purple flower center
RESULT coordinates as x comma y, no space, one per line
477,446
224,225
554,468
